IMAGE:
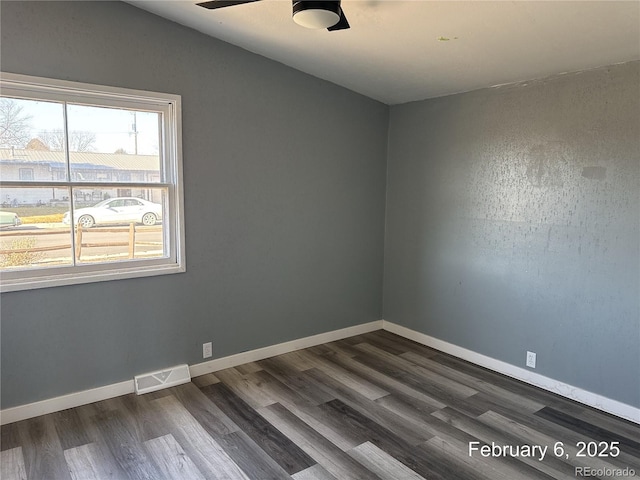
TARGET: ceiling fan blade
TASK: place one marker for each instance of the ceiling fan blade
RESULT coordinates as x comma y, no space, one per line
213,4
342,23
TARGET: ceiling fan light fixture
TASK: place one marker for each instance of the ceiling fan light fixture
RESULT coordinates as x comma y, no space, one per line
316,15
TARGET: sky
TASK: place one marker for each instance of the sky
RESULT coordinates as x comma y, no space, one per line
113,128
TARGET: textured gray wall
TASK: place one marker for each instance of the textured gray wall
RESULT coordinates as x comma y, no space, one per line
512,214
513,225
284,194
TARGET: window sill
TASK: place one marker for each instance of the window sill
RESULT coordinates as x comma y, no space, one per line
76,278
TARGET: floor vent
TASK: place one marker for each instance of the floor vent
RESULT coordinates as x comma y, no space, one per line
150,382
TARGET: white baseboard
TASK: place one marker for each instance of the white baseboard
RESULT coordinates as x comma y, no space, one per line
594,400
22,412
286,347
77,399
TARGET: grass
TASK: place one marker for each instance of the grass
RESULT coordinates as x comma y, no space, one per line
35,211
22,256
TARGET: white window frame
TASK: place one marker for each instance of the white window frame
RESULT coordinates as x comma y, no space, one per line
21,171
38,88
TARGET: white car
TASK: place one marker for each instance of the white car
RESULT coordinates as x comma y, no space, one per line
117,210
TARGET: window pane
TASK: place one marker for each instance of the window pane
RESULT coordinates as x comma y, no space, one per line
109,155
118,224
32,233
31,140
113,145
26,173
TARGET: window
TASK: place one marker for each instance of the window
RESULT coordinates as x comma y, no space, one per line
90,183
26,173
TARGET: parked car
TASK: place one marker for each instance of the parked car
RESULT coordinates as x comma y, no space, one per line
117,210
9,219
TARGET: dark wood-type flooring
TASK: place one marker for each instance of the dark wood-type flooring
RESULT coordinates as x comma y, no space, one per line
369,407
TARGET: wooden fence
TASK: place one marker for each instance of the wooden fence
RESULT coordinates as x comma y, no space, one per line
82,237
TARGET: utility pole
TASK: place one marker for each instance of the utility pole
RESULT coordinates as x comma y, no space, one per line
134,127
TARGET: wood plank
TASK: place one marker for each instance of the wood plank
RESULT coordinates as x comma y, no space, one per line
411,433
332,459
71,429
419,381
359,384
321,349
402,345
492,391
204,451
486,468
251,393
286,453
529,435
41,449
90,462
406,407
300,359
413,412
87,414
382,344
530,467
204,380
601,419
333,348
480,403
309,413
387,382
299,381
382,464
12,464
500,380
435,466
277,390
120,439
171,459
588,429
434,379
251,458
9,436
140,417
554,430
317,472
157,394
407,345
354,340
207,413
328,426
250,367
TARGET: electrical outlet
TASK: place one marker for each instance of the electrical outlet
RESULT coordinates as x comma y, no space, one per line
531,359
207,350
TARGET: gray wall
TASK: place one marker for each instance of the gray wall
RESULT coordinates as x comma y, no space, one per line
512,217
284,191
513,225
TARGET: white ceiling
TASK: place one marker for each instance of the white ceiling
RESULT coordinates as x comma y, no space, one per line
393,53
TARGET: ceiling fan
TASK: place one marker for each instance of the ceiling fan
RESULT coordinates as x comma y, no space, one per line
310,14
